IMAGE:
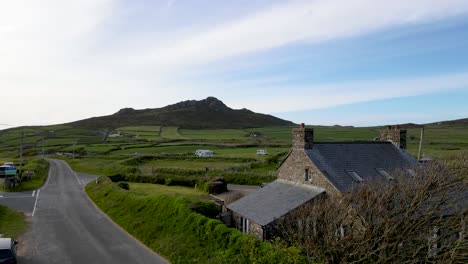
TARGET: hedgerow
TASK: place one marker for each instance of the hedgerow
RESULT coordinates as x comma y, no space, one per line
168,226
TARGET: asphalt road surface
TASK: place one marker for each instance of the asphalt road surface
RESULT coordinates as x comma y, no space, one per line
66,227
21,201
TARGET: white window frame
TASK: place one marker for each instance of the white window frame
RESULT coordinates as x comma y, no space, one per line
245,223
308,174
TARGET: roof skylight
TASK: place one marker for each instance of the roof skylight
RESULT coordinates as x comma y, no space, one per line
354,175
385,174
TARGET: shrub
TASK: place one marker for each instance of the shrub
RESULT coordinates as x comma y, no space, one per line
417,218
123,185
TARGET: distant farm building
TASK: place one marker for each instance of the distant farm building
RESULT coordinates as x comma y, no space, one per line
204,153
262,152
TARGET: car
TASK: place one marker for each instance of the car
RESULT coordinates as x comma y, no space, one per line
8,250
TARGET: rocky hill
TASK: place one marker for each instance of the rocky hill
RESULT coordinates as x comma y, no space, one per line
207,113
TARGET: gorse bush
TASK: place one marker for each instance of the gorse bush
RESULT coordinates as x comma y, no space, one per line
167,225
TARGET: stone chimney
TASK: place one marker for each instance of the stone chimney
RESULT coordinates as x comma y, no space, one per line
302,137
395,135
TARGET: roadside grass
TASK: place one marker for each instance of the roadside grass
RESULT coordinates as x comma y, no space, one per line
41,170
167,225
12,223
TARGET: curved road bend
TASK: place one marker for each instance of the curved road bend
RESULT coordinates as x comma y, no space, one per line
67,228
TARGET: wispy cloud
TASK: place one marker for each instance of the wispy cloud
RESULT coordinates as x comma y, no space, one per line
300,21
277,99
65,60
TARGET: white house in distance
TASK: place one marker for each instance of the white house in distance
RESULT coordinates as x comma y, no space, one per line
262,152
204,153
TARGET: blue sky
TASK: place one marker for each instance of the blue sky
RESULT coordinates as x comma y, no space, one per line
325,62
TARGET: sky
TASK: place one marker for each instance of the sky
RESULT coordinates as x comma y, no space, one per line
321,62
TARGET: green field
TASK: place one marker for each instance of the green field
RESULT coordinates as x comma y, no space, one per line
176,146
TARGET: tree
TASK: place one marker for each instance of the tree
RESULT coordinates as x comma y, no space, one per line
418,217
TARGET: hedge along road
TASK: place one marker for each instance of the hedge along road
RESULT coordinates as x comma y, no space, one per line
67,228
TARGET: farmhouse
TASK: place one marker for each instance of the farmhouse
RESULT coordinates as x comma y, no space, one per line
314,169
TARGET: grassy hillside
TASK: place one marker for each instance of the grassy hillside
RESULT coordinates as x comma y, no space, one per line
166,224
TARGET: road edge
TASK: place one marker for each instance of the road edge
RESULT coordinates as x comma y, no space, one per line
121,228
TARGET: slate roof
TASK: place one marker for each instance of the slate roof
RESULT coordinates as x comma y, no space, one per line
273,201
333,159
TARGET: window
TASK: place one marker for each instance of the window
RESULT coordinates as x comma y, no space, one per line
385,174
308,175
354,175
244,225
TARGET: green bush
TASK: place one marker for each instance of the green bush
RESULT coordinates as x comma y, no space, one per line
123,185
208,209
168,226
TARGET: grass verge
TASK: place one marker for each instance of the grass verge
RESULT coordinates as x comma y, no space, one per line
166,225
40,168
12,223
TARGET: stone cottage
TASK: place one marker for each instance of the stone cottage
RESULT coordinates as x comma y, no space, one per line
313,169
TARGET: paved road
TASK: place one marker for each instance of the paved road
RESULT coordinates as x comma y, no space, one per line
21,201
67,228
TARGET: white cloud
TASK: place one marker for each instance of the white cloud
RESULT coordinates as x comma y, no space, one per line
300,21
66,60
276,99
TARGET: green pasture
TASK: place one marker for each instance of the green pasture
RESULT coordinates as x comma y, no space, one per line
439,141
171,133
187,164
126,129
215,134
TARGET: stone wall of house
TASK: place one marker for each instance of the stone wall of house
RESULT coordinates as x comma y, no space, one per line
395,135
294,169
255,230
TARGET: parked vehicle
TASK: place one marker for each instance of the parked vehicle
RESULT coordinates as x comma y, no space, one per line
7,171
8,250
204,153
9,164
